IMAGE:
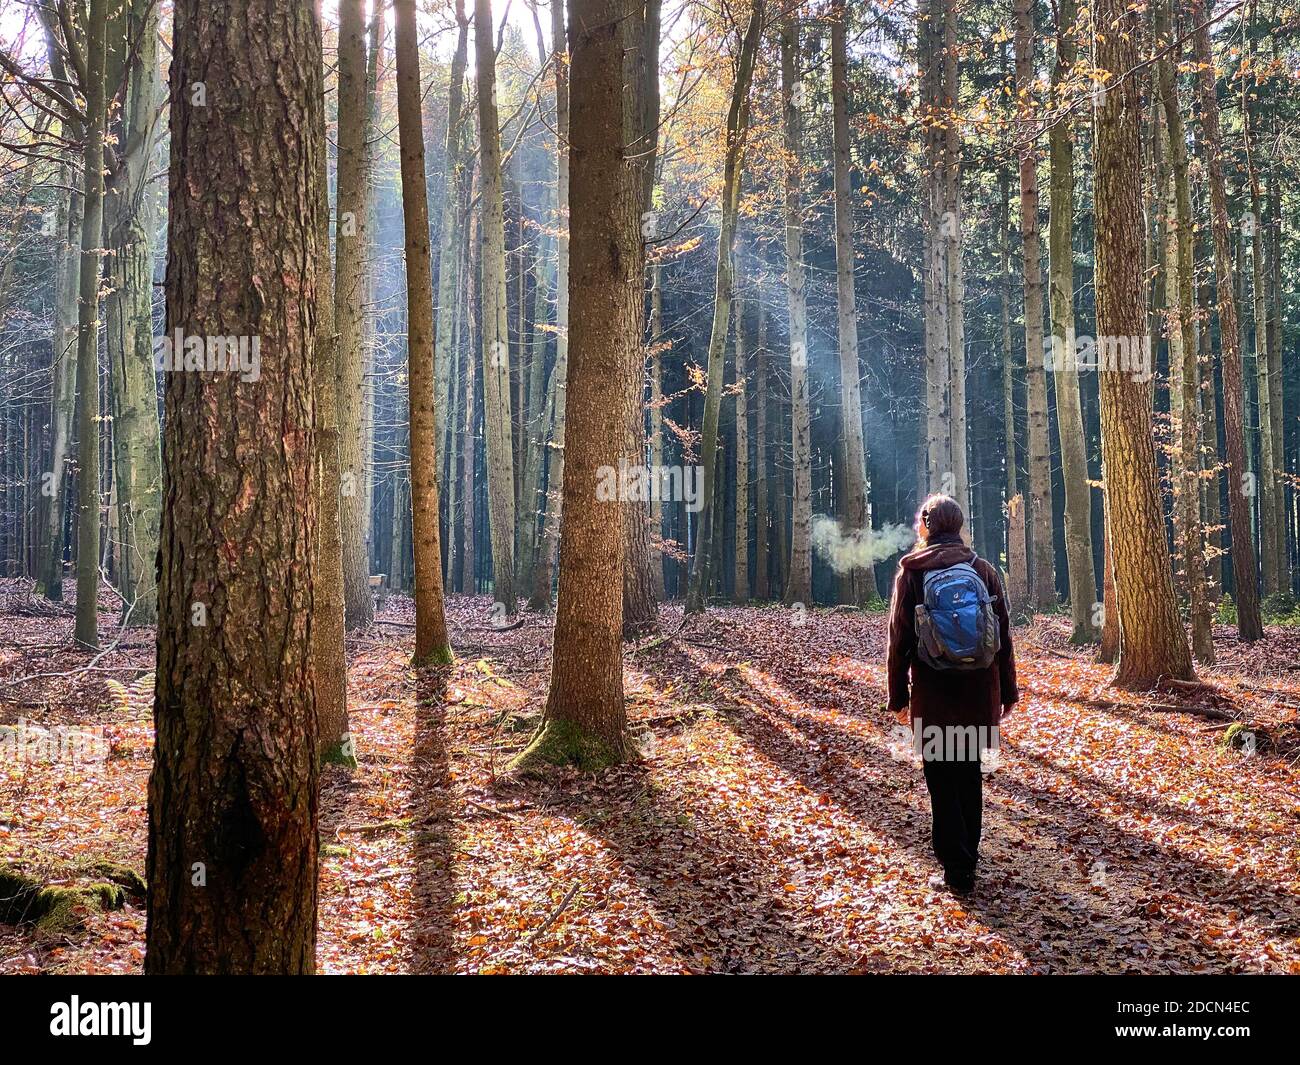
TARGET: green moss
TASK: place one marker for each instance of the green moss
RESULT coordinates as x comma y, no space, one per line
340,753
117,873
564,743
54,910
439,656
334,850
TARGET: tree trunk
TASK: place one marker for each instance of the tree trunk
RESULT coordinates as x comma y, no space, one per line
861,584
762,523
741,585
498,423
432,646
737,128
1153,643
86,630
1069,408
549,537
1249,625
798,575
1183,356
585,722
657,416
131,223
352,230
233,793
1040,471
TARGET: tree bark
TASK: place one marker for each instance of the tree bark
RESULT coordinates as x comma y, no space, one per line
585,722
498,423
86,629
798,567
1153,643
1040,475
352,232
737,129
1249,625
233,793
1069,408
432,646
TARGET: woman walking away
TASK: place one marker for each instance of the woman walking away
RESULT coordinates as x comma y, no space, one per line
950,631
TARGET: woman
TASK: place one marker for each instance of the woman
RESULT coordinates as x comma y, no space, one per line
944,704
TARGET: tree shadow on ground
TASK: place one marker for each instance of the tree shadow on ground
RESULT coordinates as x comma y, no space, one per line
1055,927
433,831
724,903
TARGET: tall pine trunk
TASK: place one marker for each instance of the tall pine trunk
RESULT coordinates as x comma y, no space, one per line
1069,408
233,793
351,239
1249,625
797,567
585,722
432,646
498,424
1153,643
1043,585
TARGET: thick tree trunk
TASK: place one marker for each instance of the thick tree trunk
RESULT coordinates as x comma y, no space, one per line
585,721
352,233
498,424
798,568
1153,643
657,416
432,646
1040,471
1069,408
737,129
640,557
233,793
1246,591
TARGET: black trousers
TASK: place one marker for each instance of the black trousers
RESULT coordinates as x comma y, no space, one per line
956,801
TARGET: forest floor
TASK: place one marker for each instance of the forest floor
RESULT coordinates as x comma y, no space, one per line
774,822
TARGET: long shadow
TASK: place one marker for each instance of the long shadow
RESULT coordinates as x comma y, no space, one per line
433,833
726,907
1048,926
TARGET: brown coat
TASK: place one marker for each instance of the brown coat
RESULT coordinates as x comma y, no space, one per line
946,697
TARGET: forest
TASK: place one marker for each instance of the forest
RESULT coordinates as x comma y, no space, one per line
472,474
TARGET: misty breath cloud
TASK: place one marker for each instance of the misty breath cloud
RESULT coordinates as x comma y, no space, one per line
854,550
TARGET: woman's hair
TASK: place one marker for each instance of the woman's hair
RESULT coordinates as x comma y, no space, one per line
939,515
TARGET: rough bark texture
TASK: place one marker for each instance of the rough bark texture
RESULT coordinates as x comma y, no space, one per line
1153,643
233,794
585,721
1246,590
798,568
351,239
1040,473
432,646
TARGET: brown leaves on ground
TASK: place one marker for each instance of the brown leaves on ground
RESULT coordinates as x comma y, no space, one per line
776,822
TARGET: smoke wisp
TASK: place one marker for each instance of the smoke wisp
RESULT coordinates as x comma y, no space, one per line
856,550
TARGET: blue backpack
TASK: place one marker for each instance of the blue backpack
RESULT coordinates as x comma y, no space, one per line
956,625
